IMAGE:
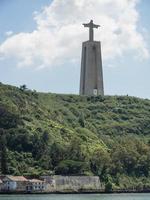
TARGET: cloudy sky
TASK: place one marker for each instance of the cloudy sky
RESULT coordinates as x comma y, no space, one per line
40,44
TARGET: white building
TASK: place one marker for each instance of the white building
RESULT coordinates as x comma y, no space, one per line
1,184
14,183
35,185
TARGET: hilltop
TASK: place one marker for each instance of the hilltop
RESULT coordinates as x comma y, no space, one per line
44,133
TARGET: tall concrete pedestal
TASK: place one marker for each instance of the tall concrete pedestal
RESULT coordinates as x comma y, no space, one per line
91,80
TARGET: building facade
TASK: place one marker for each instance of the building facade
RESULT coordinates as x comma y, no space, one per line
1,184
35,185
14,183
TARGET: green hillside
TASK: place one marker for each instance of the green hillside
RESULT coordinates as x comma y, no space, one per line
43,133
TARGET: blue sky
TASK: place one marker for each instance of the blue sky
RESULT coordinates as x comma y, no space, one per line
126,71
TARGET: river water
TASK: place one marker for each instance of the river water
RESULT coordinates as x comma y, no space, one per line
77,197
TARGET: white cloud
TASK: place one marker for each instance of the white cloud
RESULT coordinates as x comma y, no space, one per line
59,33
8,33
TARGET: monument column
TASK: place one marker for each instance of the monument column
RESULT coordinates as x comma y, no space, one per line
91,78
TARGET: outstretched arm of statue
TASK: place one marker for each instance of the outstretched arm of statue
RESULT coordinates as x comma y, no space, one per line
96,26
86,25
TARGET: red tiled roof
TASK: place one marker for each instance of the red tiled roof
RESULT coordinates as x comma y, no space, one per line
17,178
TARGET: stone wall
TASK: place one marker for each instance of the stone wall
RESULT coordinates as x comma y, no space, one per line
66,184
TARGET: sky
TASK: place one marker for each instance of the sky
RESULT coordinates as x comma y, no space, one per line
41,40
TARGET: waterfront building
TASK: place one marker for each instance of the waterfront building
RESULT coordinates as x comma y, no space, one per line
1,184
14,183
35,185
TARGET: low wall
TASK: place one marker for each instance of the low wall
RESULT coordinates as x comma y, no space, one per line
69,184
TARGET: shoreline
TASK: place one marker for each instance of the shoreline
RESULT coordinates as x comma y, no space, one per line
76,192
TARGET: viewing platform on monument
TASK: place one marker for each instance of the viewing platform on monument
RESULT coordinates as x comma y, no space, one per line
91,78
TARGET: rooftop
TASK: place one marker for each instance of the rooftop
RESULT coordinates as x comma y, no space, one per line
36,181
17,178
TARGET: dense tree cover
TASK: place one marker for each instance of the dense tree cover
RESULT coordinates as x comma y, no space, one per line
3,152
75,135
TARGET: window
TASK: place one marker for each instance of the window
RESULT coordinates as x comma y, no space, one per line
95,92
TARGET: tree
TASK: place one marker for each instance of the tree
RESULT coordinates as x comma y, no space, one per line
45,137
23,87
100,162
82,120
8,119
126,157
71,167
108,186
57,153
76,150
3,152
